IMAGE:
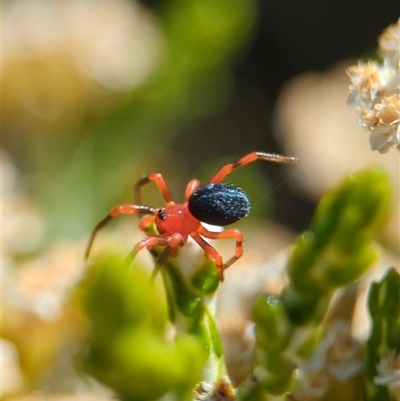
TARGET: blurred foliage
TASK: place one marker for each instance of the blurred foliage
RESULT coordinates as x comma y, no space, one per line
87,154
335,252
384,343
337,248
127,348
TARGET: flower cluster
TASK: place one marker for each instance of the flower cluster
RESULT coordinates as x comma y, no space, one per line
389,374
337,360
375,92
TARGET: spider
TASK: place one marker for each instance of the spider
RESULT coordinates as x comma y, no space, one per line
214,203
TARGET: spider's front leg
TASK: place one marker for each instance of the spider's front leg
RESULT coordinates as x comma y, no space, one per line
251,158
120,209
170,243
158,179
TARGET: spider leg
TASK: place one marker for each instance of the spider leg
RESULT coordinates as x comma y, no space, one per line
120,209
170,243
234,234
212,253
250,158
191,187
160,262
146,222
161,184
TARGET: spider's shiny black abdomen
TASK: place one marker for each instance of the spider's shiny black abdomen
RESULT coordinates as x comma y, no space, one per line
219,204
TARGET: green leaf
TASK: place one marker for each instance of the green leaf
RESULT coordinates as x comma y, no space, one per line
384,340
338,247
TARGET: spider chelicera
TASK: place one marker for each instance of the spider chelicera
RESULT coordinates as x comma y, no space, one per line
215,203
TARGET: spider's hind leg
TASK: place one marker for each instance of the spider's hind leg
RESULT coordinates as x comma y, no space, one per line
212,253
226,234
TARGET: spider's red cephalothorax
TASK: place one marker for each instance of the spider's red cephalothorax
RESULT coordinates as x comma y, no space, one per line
215,203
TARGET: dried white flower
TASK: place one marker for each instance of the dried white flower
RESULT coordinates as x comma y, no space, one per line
370,83
338,358
375,92
312,384
388,41
220,390
389,374
383,121
344,359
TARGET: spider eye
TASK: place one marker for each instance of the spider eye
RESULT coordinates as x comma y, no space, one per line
161,214
219,204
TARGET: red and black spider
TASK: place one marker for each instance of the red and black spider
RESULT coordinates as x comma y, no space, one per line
215,203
